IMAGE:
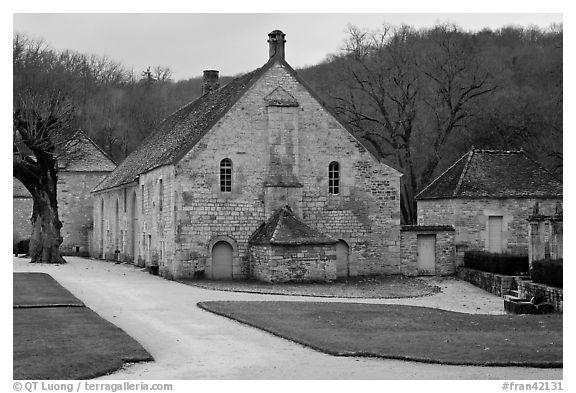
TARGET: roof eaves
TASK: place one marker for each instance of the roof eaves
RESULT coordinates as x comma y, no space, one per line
95,190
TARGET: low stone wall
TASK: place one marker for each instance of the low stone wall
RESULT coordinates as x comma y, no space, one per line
527,289
275,263
497,284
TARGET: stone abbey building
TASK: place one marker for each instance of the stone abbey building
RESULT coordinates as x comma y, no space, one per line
77,178
249,176
488,196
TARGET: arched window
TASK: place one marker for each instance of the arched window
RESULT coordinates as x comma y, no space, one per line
334,178
226,175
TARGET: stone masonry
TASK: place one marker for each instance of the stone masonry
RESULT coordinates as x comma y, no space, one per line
293,263
445,251
280,156
470,217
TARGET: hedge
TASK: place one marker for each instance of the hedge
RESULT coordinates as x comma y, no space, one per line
547,271
506,264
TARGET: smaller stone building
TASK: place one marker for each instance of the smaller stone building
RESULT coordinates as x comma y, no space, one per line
77,177
427,250
21,212
287,249
487,196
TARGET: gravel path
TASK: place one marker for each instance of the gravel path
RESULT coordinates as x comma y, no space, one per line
189,343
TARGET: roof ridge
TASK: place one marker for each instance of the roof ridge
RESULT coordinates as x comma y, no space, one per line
464,170
541,166
159,129
499,151
442,174
280,213
97,147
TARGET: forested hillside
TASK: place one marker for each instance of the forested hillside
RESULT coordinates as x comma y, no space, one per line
419,98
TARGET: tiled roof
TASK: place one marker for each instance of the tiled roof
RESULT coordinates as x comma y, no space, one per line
284,228
18,189
180,131
87,157
494,174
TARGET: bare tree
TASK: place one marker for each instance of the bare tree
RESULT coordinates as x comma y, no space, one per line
43,133
162,74
380,97
457,81
399,86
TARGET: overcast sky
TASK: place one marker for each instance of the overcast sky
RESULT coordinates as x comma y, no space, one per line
231,43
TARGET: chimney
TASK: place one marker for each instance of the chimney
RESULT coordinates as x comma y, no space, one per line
276,43
210,81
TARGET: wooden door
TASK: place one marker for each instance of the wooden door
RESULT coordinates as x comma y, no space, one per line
342,259
426,254
222,261
495,234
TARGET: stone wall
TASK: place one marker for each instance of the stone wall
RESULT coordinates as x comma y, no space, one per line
142,225
21,213
497,284
366,213
275,263
528,289
75,209
445,250
470,219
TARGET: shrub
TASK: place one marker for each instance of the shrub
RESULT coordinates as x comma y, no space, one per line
547,271
22,246
507,264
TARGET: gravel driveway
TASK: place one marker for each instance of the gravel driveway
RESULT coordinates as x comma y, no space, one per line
189,343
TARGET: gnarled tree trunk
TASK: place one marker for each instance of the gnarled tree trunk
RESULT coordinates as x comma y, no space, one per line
45,239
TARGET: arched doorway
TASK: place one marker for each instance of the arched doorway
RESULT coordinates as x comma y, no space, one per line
133,246
342,259
222,261
102,250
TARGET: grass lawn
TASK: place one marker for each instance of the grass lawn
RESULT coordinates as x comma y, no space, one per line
64,342
406,332
353,287
40,289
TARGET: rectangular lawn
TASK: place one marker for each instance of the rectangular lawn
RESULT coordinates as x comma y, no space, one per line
57,337
40,290
406,332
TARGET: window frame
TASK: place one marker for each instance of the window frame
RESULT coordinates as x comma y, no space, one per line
226,167
161,194
334,178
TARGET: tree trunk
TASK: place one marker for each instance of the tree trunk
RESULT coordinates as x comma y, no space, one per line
408,191
45,239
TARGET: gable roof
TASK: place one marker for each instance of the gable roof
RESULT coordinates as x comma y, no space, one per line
183,129
86,157
284,228
180,131
494,174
